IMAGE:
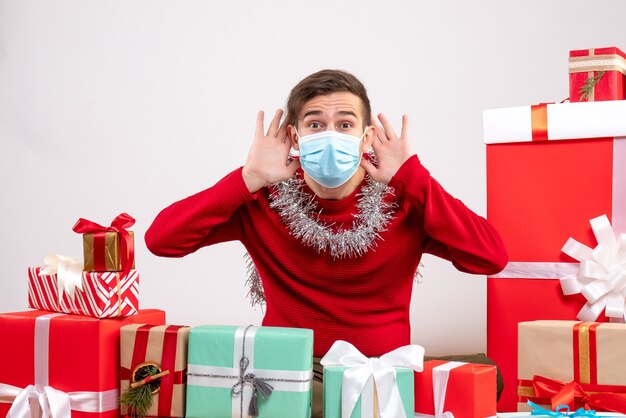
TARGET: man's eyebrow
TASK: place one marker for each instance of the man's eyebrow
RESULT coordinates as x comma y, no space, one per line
319,112
312,113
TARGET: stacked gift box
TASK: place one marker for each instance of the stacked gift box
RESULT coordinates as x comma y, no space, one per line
556,192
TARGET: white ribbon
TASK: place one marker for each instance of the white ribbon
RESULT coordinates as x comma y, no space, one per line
365,371
601,276
40,400
69,271
441,375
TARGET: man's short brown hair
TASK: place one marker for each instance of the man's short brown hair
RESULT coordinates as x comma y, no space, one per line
322,83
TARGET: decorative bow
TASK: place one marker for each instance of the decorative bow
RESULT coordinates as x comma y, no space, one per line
119,225
573,395
561,411
32,402
69,271
259,387
601,277
361,369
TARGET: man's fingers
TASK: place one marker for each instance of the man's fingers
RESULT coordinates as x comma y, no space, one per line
258,132
293,166
376,145
389,132
369,167
404,134
275,121
380,132
282,131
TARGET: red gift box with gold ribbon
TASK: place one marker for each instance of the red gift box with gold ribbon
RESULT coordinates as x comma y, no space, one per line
597,74
550,169
579,364
62,364
163,348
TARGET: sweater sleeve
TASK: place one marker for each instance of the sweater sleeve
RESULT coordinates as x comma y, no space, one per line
452,230
202,219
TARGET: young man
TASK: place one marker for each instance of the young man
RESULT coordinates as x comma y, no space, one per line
336,236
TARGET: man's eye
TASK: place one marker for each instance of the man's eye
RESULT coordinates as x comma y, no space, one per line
315,125
346,125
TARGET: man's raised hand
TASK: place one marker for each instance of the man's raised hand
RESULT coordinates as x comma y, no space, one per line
267,158
391,151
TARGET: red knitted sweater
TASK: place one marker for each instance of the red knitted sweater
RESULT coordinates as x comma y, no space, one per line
363,300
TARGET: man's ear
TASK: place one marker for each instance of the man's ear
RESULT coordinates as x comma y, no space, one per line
370,136
293,137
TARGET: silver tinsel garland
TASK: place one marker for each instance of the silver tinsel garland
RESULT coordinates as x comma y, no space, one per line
297,210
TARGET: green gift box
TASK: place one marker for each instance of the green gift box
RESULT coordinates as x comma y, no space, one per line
230,369
333,376
356,386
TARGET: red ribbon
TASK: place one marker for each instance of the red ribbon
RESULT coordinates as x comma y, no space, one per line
168,362
119,225
573,395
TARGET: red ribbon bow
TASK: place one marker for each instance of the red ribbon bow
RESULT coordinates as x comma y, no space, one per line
573,395
119,225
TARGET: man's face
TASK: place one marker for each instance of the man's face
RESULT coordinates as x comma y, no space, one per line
341,112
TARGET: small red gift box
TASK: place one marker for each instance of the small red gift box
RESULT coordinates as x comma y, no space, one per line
597,74
467,390
103,295
550,169
68,364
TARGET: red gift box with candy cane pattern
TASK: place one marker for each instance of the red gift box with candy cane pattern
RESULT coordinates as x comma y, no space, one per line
99,294
550,170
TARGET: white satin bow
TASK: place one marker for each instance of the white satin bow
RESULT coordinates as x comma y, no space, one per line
360,370
33,402
48,402
69,271
601,277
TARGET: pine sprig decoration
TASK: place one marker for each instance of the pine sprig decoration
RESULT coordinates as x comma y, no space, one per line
586,90
138,399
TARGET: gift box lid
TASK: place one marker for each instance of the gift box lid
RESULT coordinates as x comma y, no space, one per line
597,59
560,121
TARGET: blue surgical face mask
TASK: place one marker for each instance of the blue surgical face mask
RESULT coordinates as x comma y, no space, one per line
330,158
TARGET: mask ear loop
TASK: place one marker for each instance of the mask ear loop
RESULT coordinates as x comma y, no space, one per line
294,152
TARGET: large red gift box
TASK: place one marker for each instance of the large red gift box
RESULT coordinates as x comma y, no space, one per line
466,390
103,294
550,169
605,66
63,361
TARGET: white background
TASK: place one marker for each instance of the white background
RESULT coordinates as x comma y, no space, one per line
127,106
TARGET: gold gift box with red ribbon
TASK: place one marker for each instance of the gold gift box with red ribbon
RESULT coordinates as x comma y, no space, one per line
102,251
108,248
597,74
580,364
164,349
